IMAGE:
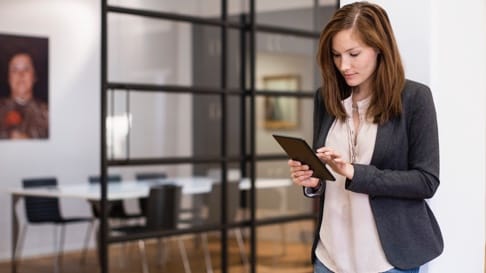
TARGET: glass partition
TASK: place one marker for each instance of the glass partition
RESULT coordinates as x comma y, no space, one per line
180,101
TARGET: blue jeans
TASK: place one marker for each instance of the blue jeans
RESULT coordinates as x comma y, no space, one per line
321,268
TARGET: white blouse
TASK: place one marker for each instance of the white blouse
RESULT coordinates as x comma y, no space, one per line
349,241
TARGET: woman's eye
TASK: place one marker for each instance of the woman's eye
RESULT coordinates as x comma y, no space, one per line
354,54
334,55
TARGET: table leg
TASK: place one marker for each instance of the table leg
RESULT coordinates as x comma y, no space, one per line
15,232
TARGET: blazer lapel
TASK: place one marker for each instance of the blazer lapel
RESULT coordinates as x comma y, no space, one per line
325,126
383,137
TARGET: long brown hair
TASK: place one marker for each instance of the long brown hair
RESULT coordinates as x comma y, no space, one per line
371,24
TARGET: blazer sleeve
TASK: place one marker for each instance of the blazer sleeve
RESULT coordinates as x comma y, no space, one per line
317,118
317,123
417,177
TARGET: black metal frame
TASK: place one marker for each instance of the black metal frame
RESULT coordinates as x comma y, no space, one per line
247,26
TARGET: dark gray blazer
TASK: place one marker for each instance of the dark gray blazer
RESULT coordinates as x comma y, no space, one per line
404,171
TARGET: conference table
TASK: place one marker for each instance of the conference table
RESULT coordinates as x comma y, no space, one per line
122,191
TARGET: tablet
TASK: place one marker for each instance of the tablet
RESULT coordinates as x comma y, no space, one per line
297,149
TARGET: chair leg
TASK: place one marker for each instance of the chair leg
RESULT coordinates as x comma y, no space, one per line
56,250
207,256
123,255
161,251
241,246
167,248
86,241
143,256
283,236
123,250
61,246
185,260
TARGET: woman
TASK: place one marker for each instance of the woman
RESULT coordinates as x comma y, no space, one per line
378,134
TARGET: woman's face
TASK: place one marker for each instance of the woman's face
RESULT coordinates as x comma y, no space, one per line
21,76
355,60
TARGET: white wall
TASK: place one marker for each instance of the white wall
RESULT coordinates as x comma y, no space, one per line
443,44
458,70
72,150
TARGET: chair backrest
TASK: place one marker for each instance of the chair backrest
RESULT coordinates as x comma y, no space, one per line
150,176
163,207
41,209
214,202
112,178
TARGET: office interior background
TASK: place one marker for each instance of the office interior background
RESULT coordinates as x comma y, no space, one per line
443,44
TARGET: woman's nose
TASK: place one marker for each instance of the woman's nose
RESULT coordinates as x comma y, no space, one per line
344,64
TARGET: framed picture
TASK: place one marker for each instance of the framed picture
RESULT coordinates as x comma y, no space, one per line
24,96
281,113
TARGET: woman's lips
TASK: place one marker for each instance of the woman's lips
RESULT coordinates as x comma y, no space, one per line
349,76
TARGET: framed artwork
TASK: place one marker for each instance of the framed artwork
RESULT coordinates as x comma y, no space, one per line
281,113
24,96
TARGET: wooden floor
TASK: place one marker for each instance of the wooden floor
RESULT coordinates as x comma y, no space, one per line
271,257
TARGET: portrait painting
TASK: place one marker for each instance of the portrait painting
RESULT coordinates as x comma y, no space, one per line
24,96
281,112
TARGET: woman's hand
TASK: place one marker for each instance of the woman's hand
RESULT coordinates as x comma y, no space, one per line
301,174
336,162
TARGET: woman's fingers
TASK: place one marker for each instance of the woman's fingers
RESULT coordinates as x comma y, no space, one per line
309,182
301,174
294,163
327,154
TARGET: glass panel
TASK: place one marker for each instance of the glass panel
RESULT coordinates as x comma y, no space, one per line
290,14
296,120
237,8
163,124
276,194
206,125
118,124
151,51
207,8
285,247
233,61
324,13
293,14
289,58
233,126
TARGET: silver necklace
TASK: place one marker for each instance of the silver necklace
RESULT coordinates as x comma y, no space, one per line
352,135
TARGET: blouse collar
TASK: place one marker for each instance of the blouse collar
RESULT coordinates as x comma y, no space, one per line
362,105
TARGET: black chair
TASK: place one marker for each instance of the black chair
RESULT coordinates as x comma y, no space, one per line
163,206
150,176
46,210
117,209
143,177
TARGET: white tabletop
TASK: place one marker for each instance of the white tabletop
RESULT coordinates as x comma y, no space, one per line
137,189
117,191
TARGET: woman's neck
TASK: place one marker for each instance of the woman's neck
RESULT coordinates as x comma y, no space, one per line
360,93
